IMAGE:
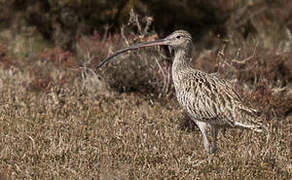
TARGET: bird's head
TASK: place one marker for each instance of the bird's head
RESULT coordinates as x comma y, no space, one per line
179,39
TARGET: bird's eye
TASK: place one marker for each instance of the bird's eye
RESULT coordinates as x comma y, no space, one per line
178,37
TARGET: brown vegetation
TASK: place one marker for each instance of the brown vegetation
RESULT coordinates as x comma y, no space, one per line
61,118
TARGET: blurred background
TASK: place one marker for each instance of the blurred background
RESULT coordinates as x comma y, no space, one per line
63,22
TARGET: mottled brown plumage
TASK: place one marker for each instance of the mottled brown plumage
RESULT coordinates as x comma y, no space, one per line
206,98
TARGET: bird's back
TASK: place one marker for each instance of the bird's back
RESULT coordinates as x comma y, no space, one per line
207,97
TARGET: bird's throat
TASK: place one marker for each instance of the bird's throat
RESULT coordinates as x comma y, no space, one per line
181,60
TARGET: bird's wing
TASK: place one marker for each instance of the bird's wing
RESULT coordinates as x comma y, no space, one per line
214,99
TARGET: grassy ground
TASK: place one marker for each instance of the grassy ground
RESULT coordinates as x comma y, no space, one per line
73,133
58,123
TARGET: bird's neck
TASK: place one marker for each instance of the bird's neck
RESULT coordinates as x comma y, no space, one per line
180,67
181,60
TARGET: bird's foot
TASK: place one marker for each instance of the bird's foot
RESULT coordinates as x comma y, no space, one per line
213,150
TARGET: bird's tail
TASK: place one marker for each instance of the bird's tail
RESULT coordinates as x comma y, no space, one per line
252,120
257,126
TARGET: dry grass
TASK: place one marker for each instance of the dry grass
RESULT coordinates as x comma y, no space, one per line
75,134
60,122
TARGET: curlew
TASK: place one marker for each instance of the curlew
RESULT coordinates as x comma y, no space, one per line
211,102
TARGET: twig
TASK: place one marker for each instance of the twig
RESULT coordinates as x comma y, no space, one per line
220,56
106,28
149,21
248,58
163,74
136,20
123,35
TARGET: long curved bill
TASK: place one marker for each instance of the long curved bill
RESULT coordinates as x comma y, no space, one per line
133,47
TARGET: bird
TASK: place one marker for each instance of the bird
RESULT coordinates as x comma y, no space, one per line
209,100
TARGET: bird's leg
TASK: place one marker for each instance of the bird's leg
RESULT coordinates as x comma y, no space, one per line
215,134
203,126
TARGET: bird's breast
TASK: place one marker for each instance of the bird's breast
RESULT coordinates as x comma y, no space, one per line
185,94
